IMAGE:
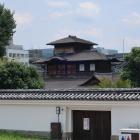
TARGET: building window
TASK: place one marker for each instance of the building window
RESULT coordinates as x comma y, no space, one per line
18,55
22,55
92,67
81,67
10,54
86,123
26,55
14,55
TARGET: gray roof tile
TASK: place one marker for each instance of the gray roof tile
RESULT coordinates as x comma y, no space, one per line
71,39
86,55
73,94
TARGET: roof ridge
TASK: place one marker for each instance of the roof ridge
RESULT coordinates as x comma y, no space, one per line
72,94
74,39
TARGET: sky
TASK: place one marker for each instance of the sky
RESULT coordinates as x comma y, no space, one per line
106,22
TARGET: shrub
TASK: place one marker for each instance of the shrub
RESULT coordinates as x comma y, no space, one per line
17,76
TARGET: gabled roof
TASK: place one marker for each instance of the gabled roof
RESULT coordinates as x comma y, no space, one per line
86,55
65,82
73,94
54,58
93,80
71,39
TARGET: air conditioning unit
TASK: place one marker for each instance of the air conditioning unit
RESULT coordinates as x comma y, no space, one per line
129,134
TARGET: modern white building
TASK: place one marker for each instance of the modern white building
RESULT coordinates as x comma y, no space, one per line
17,53
106,51
84,114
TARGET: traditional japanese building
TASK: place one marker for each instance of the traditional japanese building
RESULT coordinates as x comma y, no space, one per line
76,57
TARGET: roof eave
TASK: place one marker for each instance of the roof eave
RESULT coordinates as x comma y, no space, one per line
51,43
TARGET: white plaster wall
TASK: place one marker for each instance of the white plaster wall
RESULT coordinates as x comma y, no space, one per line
37,117
69,121
29,117
125,117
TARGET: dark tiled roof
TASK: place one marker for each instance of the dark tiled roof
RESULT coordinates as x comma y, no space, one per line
81,56
65,82
73,94
71,39
93,80
56,58
86,55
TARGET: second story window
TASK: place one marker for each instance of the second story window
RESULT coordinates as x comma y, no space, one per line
92,67
81,67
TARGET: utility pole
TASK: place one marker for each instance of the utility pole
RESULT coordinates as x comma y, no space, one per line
123,46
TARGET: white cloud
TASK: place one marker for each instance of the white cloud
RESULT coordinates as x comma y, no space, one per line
61,12
57,4
23,18
92,32
90,6
81,10
86,32
57,14
88,9
132,19
131,1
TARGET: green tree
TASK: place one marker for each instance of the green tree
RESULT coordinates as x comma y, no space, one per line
105,83
122,83
17,76
108,83
7,26
132,70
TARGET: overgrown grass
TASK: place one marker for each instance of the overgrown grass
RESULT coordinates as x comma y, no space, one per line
16,136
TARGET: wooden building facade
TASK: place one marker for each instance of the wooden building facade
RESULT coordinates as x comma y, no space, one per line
66,68
76,57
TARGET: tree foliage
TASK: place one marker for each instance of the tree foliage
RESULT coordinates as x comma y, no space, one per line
17,76
108,83
7,26
132,70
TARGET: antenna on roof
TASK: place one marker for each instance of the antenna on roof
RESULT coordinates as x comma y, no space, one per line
123,46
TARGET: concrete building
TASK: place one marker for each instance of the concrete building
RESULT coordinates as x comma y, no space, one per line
37,54
106,51
83,114
17,53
